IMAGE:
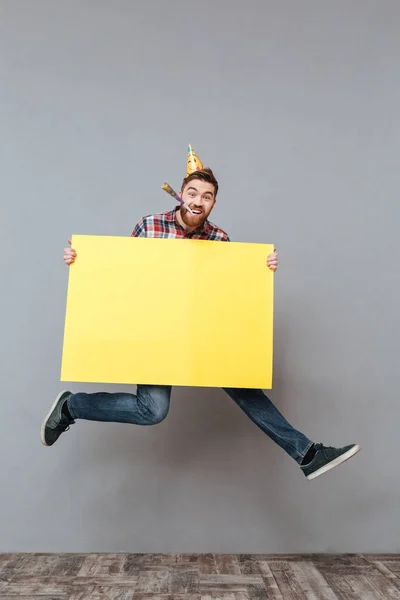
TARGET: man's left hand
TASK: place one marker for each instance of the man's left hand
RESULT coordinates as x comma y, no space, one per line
272,261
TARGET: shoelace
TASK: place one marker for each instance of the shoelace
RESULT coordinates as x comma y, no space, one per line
64,427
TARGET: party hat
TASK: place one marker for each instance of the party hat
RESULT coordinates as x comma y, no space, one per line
193,162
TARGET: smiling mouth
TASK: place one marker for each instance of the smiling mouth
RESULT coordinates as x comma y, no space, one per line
196,212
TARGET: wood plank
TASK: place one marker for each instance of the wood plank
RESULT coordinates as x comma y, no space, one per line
68,565
382,557
387,587
166,596
393,566
286,580
133,562
207,564
270,583
343,564
52,597
393,576
234,583
227,564
3,585
49,564
151,560
220,595
187,559
102,564
179,597
102,593
312,582
340,586
279,557
44,565
257,592
17,563
120,580
39,587
241,580
5,558
248,564
153,582
184,581
372,588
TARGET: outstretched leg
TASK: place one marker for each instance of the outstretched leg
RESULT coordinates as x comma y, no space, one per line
260,409
314,459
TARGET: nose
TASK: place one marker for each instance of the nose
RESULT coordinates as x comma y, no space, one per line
198,201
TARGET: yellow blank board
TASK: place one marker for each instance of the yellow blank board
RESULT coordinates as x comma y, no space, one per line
169,311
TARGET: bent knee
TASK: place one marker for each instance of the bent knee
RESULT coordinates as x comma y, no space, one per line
158,414
153,403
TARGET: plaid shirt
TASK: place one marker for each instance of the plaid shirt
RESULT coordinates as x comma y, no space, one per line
165,225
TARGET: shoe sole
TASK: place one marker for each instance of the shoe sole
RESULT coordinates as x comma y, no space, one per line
43,427
334,463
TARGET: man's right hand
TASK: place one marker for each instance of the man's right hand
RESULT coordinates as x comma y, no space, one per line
69,255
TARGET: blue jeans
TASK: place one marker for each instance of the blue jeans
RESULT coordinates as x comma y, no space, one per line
150,406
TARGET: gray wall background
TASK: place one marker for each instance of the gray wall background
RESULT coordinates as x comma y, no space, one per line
295,106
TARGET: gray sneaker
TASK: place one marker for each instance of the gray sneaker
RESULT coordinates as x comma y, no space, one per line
56,422
326,458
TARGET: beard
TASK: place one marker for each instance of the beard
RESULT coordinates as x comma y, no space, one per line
192,220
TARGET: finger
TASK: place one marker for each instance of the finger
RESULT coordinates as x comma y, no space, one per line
69,242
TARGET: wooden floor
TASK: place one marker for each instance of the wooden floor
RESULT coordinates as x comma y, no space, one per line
199,577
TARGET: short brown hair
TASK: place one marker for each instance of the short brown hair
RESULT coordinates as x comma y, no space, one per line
203,174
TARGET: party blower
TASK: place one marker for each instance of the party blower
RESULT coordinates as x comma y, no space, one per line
172,193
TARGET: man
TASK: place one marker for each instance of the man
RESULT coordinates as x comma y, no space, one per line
150,404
